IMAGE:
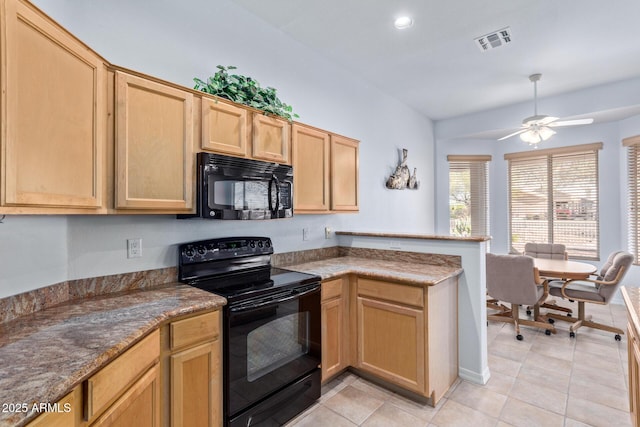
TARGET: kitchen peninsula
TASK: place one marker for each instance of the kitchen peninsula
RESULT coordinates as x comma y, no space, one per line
398,283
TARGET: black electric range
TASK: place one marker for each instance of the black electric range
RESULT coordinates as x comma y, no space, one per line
271,328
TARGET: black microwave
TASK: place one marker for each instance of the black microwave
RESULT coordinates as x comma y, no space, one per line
236,188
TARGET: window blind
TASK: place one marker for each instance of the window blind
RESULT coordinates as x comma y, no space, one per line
469,195
633,179
553,198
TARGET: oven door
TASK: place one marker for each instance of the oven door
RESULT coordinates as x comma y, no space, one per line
270,344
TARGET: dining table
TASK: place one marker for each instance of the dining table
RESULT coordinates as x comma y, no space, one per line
563,269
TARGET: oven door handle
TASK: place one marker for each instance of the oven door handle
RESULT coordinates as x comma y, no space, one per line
242,308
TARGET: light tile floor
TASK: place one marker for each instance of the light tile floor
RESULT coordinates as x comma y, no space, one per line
540,381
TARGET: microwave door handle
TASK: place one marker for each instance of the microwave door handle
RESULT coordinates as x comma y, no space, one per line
274,183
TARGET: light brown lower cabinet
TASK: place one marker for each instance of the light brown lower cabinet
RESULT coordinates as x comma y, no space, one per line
139,406
172,377
403,334
335,333
192,364
67,412
126,392
407,335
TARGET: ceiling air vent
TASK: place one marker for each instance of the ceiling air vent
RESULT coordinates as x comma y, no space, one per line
494,39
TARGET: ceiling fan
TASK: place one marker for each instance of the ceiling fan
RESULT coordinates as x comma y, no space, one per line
538,128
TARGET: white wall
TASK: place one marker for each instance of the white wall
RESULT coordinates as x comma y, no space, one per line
33,251
177,41
612,159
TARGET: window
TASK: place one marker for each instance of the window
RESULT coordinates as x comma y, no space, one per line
468,195
553,198
633,174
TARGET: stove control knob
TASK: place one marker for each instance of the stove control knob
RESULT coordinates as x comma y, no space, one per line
260,244
202,250
267,243
189,252
252,244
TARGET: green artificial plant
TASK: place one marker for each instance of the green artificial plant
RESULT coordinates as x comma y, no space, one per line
244,90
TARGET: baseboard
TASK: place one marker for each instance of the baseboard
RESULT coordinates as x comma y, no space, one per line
475,377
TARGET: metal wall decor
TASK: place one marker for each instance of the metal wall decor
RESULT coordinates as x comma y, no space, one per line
401,178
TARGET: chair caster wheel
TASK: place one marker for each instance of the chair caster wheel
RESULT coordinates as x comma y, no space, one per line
618,337
572,334
552,321
528,312
547,332
519,337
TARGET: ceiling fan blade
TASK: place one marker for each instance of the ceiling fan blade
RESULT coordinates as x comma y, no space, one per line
571,122
513,134
547,120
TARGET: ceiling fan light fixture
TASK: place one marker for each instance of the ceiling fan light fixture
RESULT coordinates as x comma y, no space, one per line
546,132
537,134
403,22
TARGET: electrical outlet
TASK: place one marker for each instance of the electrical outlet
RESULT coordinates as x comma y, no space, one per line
327,233
305,233
134,248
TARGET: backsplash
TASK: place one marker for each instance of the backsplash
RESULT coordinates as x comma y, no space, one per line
300,257
414,257
40,299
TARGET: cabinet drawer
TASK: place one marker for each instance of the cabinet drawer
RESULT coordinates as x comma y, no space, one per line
194,329
404,294
331,289
65,416
112,380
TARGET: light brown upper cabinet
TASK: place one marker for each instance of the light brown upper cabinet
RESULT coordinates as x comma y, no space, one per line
325,171
271,139
225,128
310,170
344,174
53,115
153,145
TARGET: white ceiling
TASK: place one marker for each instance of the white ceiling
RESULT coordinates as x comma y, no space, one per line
436,67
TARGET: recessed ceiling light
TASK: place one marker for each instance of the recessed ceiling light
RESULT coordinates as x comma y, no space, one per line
403,22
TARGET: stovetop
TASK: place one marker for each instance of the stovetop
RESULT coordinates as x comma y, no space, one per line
278,279
236,268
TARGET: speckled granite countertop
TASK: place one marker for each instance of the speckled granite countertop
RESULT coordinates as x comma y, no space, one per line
403,271
631,297
45,354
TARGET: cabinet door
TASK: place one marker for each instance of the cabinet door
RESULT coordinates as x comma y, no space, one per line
196,393
139,406
310,170
344,174
224,128
333,317
154,145
391,342
53,114
271,139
